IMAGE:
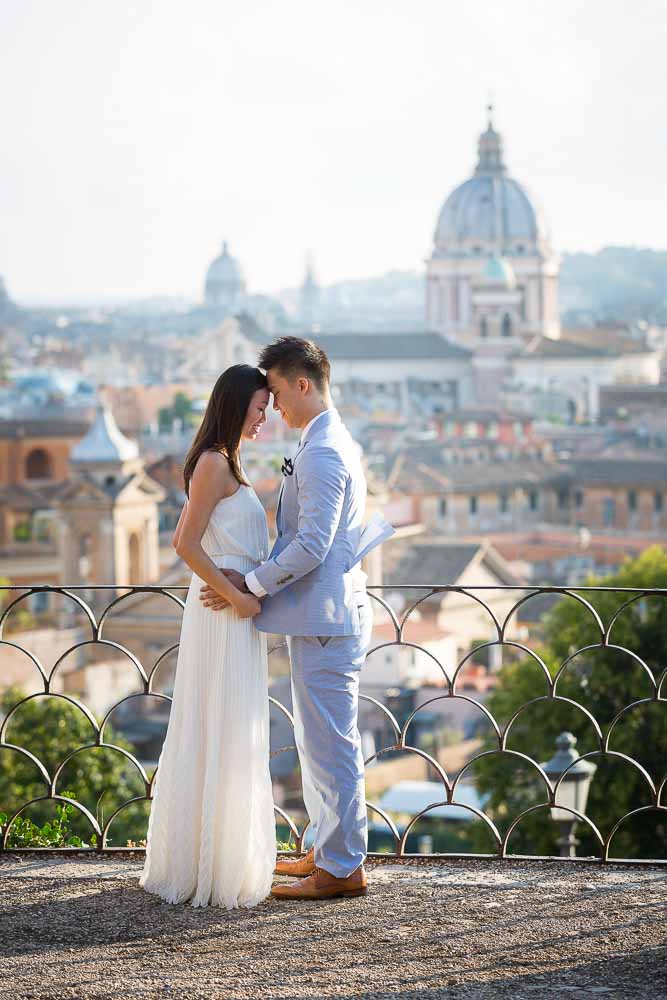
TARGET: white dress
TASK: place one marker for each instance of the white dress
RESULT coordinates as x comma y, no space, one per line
211,832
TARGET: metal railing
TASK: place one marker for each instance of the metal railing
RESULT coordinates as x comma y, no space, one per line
501,607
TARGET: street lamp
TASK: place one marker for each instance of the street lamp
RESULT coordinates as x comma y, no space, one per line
572,792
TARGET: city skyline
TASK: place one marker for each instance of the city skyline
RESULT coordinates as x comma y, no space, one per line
135,142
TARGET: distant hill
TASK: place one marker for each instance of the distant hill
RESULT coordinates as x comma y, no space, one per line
615,284
401,288
390,301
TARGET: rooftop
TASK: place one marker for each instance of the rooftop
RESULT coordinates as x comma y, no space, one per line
548,347
389,346
434,557
424,470
621,471
596,343
104,442
81,926
47,426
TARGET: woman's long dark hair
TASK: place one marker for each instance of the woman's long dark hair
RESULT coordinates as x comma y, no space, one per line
225,415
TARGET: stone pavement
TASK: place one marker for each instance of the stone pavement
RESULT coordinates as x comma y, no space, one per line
81,927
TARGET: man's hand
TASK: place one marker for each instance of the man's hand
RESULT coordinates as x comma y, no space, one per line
210,598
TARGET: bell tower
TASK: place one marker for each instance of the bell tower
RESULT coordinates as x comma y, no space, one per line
109,511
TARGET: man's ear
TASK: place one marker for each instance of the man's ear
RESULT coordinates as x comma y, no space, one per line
304,385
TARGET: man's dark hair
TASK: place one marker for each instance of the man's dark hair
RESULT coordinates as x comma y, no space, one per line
292,356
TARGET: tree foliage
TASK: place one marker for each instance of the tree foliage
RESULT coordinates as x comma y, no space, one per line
605,680
101,779
180,409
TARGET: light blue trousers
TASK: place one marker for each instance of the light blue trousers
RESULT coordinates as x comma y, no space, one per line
325,698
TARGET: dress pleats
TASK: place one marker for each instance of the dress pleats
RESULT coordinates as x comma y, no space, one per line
211,832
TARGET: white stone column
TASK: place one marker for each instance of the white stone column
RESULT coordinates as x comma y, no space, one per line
464,301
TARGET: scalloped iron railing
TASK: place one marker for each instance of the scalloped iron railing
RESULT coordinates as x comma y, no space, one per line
502,607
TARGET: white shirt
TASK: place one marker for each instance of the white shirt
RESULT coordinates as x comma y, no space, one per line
304,430
251,581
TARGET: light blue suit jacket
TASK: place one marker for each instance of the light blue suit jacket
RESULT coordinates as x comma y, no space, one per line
310,584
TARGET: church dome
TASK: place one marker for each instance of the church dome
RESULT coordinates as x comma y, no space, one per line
224,280
490,209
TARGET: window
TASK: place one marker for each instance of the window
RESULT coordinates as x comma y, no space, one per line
38,465
507,326
472,505
632,500
471,430
483,327
493,430
563,499
579,498
503,503
533,500
23,530
609,511
442,507
658,502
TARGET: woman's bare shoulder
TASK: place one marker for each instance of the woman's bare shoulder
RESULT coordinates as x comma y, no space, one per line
213,467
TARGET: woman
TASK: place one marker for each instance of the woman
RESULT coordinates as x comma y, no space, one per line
211,831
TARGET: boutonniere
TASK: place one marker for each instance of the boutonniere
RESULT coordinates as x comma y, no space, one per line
287,468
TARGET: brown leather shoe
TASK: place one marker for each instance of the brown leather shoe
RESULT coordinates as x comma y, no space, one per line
297,867
322,885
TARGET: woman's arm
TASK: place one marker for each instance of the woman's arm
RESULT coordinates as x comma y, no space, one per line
177,531
211,481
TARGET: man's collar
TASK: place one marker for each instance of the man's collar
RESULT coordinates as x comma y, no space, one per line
331,411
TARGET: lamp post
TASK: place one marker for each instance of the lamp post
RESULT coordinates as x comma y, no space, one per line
572,792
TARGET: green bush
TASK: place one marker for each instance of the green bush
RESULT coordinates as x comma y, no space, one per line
99,778
25,833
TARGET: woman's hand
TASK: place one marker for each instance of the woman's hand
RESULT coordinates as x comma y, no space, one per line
247,605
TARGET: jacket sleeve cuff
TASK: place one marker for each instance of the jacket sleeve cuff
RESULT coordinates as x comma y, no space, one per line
253,584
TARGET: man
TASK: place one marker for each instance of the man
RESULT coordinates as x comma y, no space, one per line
313,593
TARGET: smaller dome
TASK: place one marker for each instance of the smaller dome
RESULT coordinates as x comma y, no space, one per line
104,442
224,279
499,271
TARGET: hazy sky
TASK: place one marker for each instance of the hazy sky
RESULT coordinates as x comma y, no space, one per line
136,136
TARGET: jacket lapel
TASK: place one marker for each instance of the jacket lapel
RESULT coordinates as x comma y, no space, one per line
280,500
321,425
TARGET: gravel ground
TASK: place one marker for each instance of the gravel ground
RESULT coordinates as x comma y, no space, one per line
81,927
